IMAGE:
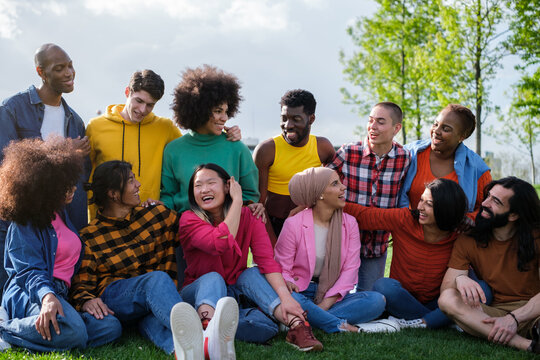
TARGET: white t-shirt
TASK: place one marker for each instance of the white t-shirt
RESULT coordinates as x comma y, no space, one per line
53,121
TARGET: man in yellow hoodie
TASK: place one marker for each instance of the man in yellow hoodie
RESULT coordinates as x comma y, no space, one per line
132,132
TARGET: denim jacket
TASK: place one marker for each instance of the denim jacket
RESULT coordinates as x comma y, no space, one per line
21,117
29,262
469,168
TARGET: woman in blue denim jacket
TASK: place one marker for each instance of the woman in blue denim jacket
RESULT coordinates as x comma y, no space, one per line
43,250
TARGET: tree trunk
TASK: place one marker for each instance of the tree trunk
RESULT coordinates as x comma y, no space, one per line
478,78
531,153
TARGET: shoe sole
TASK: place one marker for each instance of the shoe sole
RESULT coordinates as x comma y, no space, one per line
394,327
226,319
306,349
187,332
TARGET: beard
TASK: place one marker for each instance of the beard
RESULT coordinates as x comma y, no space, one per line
486,225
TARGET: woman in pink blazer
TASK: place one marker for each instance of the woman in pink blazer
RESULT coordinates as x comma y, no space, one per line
319,253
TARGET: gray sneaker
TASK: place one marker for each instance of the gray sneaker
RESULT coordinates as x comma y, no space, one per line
3,317
378,326
411,324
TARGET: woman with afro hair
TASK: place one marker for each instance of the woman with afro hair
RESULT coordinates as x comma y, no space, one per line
43,250
203,102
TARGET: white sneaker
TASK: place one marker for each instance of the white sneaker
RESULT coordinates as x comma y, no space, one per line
219,335
456,327
3,317
377,326
412,324
187,332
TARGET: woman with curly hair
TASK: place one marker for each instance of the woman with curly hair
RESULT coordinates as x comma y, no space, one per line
203,102
43,250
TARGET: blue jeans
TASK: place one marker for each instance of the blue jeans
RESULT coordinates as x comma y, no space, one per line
354,308
370,270
250,291
400,303
76,330
147,299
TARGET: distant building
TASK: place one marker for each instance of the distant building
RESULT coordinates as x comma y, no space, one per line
251,143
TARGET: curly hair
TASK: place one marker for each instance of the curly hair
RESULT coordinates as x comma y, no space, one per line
299,97
201,90
148,81
35,177
468,120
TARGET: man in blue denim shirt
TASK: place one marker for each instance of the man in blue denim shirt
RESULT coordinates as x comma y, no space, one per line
27,114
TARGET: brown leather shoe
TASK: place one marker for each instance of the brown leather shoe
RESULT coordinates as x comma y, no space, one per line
302,338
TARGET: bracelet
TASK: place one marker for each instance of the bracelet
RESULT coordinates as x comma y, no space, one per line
515,319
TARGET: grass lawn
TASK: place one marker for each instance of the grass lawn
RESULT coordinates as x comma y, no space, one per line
407,344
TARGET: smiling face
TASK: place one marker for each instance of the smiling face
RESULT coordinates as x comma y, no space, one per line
57,71
209,192
216,123
295,125
446,132
425,208
334,194
138,105
380,127
131,196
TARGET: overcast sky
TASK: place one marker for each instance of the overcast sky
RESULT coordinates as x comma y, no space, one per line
271,46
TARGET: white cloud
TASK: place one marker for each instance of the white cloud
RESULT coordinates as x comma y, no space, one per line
254,15
223,14
8,19
11,9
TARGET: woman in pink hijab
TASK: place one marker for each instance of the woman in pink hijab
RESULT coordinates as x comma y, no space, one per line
319,253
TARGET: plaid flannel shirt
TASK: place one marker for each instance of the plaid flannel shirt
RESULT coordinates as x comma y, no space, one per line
143,241
371,181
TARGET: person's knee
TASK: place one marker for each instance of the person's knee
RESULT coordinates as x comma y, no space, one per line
387,287
378,301
112,328
159,279
215,279
73,332
449,301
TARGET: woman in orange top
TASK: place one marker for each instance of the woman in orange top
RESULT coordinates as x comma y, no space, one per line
445,156
422,245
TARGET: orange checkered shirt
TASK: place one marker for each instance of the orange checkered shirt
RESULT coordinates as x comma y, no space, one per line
143,241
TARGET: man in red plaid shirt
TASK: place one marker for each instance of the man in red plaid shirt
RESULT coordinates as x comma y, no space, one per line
373,171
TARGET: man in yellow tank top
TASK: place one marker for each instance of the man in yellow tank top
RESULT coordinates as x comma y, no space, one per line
294,150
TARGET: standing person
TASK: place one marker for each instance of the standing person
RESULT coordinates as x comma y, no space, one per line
203,102
132,132
445,156
504,250
39,112
319,254
422,243
282,156
216,235
129,264
373,172
43,250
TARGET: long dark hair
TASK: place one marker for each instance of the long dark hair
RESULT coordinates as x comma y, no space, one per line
111,175
206,216
526,205
449,203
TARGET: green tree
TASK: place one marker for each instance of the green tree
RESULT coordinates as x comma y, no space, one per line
475,26
522,121
390,63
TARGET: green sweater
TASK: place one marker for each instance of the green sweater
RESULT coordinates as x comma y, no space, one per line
183,155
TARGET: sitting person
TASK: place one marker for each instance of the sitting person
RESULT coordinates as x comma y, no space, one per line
129,263
216,237
43,250
422,244
319,253
503,248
